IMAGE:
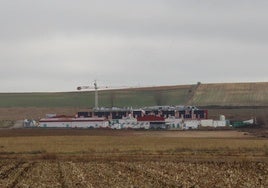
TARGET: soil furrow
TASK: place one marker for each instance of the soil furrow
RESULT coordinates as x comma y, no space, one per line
7,172
25,169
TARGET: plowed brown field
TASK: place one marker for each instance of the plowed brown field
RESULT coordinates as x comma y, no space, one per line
108,158
17,173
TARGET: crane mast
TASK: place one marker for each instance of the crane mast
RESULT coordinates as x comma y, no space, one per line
96,95
96,92
96,88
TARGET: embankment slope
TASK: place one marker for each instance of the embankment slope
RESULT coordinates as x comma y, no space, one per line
231,94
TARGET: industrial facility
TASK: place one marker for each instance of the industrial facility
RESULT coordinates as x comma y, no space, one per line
155,117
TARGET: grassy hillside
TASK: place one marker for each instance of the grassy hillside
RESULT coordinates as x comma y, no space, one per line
43,99
145,96
239,94
135,97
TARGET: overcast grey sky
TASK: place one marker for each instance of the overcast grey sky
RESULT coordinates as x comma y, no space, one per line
57,45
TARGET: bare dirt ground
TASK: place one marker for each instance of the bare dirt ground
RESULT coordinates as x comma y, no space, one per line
108,132
21,173
20,113
197,134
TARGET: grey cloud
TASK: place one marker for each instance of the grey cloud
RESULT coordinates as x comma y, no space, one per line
60,44
135,18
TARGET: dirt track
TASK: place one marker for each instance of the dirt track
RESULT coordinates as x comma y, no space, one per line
198,134
108,132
